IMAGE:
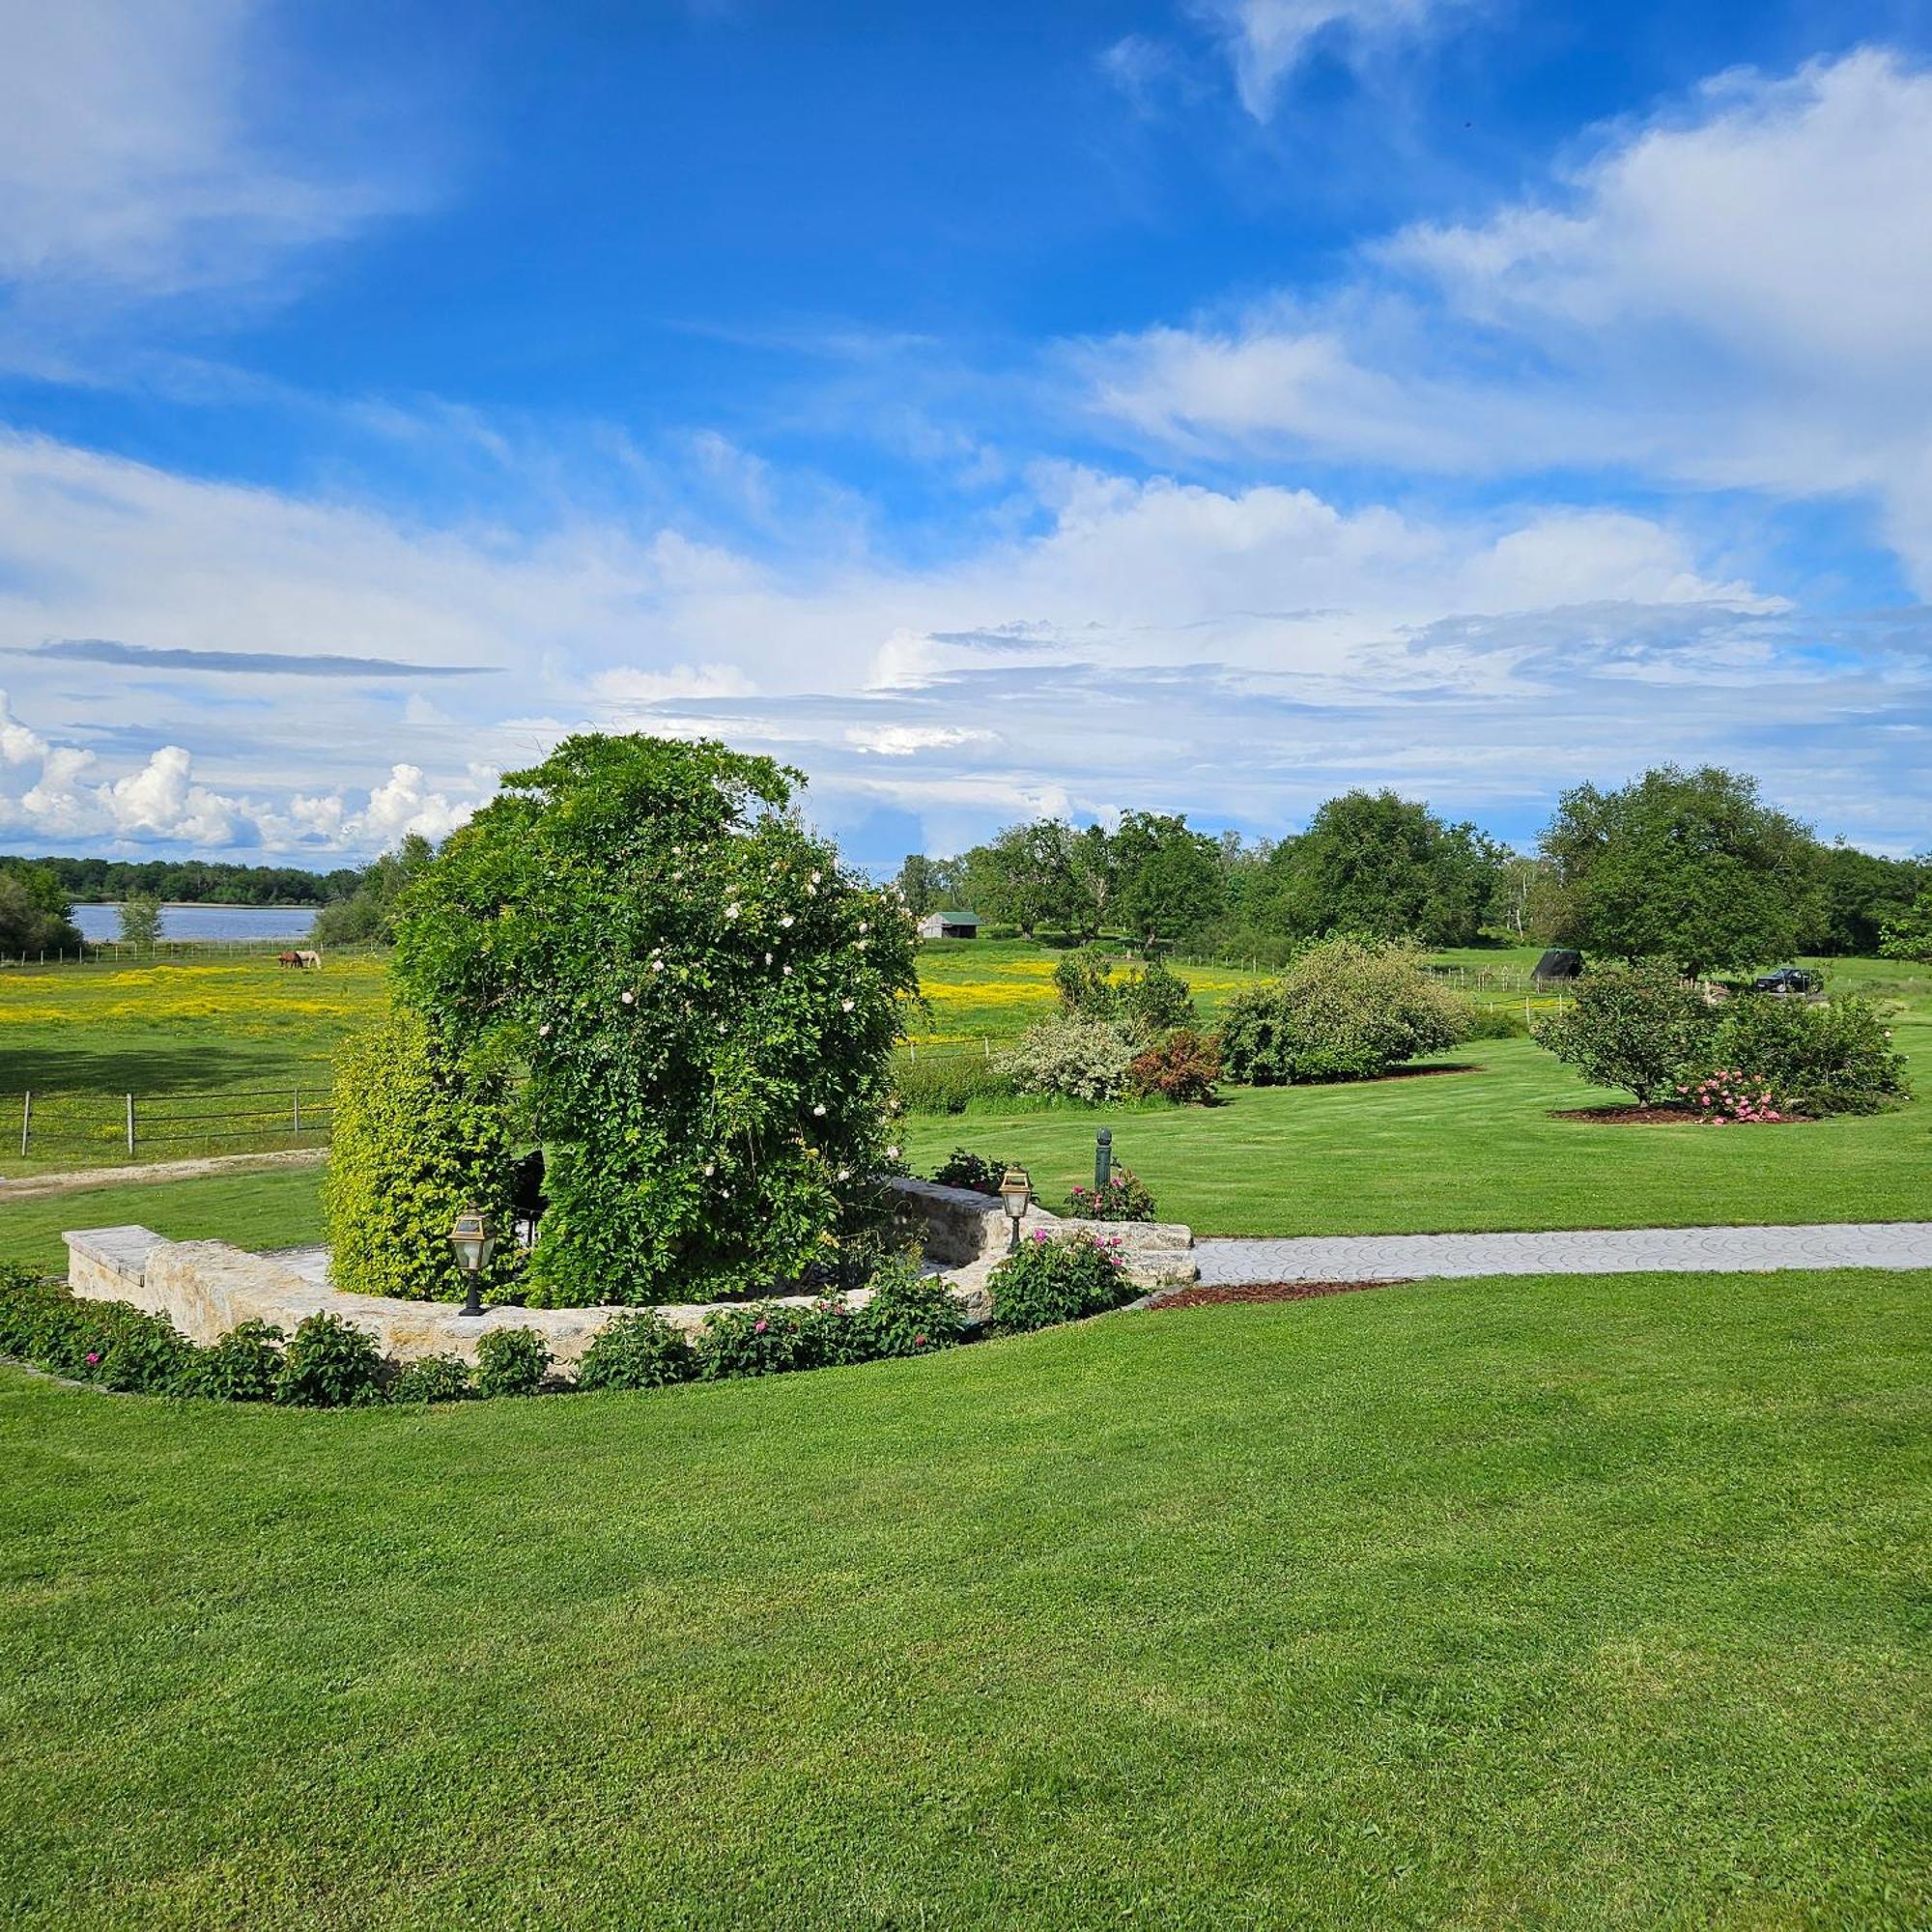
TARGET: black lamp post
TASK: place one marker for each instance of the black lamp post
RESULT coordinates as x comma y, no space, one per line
473,1241
1015,1191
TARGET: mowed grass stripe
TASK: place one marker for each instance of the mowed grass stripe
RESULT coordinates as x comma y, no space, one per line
1528,1602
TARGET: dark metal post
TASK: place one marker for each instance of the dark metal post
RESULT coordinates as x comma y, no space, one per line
473,1301
1103,1156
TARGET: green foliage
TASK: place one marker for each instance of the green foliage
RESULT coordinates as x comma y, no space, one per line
418,1138
1907,934
1169,879
1124,1198
328,1363
367,917
140,922
1343,1010
1084,983
434,1378
1832,1058
1156,1000
947,1082
909,1314
1380,866
1688,866
758,1338
511,1361
978,1172
637,1351
111,1342
242,1365
1863,897
1182,1068
1074,1058
705,1004
35,916
1633,1027
1050,1281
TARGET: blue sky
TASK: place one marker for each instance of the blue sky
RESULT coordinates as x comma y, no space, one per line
1206,406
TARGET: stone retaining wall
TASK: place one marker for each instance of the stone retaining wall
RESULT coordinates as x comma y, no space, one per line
206,1287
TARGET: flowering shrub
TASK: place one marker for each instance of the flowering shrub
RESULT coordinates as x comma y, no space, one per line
1148,1002
242,1365
1124,1198
637,1352
511,1361
1832,1058
1074,1058
330,1363
1049,1280
758,1338
909,1314
1730,1096
434,1378
1183,1068
1633,1027
703,1001
1345,1010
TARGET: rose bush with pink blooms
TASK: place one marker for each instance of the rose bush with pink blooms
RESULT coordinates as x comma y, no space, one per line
1047,1281
1730,1096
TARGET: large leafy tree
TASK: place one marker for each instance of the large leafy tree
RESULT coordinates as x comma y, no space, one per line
1025,877
1689,867
1169,879
1384,867
368,915
1908,933
702,1001
1860,895
34,915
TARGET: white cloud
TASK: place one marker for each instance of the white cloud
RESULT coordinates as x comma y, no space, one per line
905,741
1738,295
151,151
1267,39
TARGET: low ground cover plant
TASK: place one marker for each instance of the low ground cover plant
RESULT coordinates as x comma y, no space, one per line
434,1378
1125,1197
641,1350
1345,1010
330,1363
1048,1281
511,1361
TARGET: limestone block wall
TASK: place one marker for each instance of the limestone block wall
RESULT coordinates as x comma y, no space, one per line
206,1287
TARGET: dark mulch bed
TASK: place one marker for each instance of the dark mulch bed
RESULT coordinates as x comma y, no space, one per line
1650,1116
1271,1290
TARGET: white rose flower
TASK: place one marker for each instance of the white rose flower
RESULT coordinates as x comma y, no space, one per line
817,877
768,959
787,972
819,1110
543,1031
844,1174
786,919
731,910
628,998
710,1168
891,1154
846,1006
864,927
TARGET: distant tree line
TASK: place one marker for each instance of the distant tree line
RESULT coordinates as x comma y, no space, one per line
192,881
1690,866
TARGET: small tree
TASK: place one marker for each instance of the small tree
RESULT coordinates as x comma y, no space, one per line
1908,934
141,922
1631,1026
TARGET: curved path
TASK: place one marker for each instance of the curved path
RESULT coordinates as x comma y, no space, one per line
1882,1244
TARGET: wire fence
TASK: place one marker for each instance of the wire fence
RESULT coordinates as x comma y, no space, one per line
66,1127
172,953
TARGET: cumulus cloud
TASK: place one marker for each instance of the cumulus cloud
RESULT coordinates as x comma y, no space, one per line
1737,294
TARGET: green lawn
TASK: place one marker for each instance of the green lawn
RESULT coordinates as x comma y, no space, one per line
1588,1604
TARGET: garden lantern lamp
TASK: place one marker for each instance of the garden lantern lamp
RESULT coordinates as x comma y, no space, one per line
473,1241
1015,1191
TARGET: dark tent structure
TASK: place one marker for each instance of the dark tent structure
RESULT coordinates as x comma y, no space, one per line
1561,962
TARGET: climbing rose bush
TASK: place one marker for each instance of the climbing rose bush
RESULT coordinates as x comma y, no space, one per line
702,1002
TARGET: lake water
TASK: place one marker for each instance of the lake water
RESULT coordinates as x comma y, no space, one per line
192,921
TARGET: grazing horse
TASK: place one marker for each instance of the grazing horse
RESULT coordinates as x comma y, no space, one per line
288,959
310,961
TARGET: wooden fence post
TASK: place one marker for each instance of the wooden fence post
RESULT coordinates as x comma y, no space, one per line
26,1121
298,1111
130,1124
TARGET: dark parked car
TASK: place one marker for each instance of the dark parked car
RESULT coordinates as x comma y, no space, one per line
1787,980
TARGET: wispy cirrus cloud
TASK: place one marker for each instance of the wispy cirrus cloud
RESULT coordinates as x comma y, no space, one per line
258,664
1267,39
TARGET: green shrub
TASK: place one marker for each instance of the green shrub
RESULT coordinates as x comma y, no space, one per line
1495,1022
330,1363
641,1350
1124,1198
434,1378
947,1082
978,1172
1083,981
35,1314
1071,1057
909,1314
756,1338
243,1365
1834,1058
1182,1068
1345,1010
1154,1001
1049,1280
415,1141
511,1361
1635,1027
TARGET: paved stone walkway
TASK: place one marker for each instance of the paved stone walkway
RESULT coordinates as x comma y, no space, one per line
1884,1244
